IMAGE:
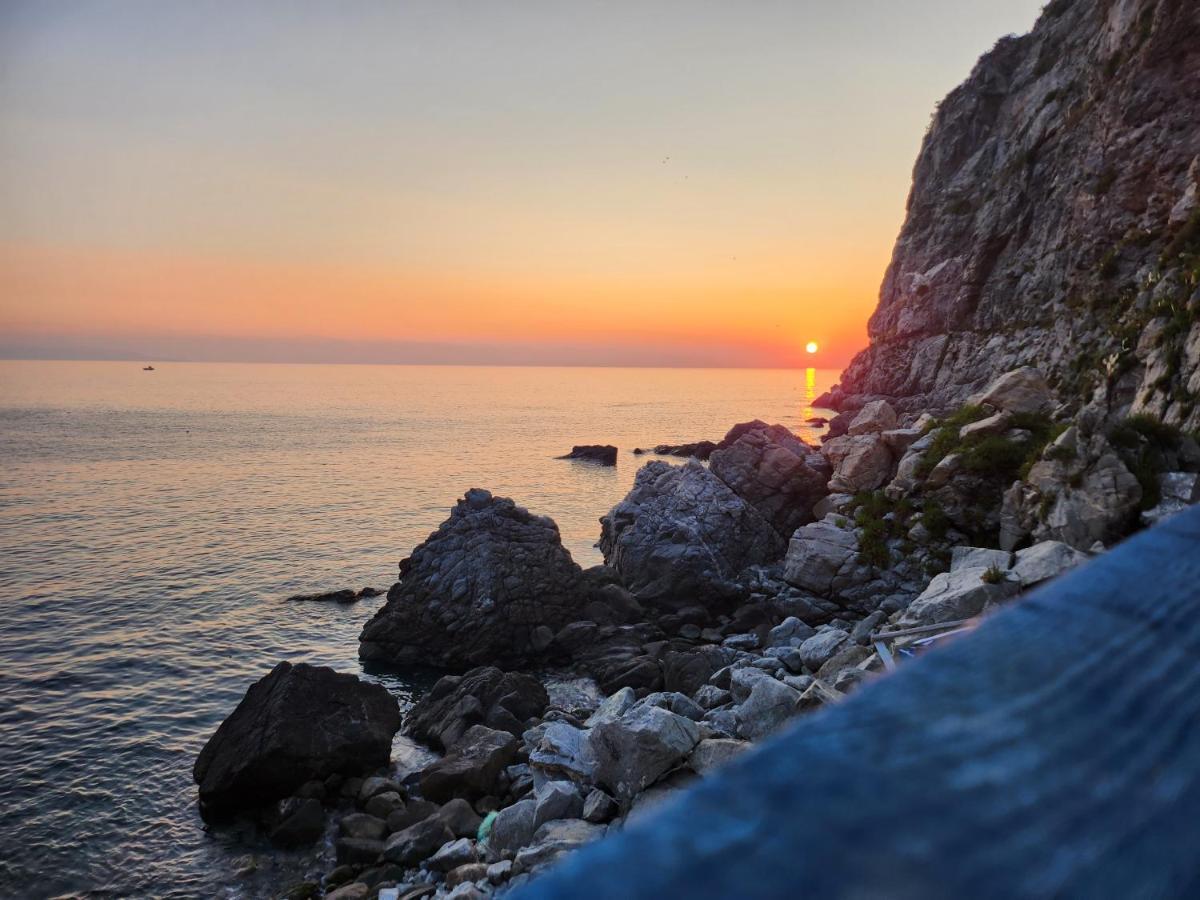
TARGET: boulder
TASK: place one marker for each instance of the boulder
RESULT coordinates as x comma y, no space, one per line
1178,491
819,648
556,800
775,472
861,462
460,817
452,854
302,821
686,670
357,851
563,751
513,827
471,768
770,704
817,553
701,450
957,595
599,807
646,743
1022,390
464,874
554,839
417,842
791,632
477,589
605,454
875,417
682,536
362,825
298,723
504,701
978,557
1044,561
711,753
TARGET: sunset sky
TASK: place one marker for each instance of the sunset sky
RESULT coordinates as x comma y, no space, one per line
649,183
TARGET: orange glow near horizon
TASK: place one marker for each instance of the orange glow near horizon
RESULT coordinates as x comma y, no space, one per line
96,292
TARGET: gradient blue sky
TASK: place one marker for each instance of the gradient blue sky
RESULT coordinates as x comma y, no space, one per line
664,182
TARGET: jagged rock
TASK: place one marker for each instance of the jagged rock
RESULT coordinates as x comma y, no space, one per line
743,679
639,748
605,454
1022,390
818,649
1044,561
817,553
770,704
791,632
775,472
875,417
956,595
417,842
978,557
709,696
556,800
472,766
466,873
612,707
599,807
474,592
992,425
554,839
487,696
453,854
296,724
711,753
1178,491
1083,200
564,752
682,536
861,462
513,827
459,816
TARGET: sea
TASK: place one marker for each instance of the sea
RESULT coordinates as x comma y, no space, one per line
153,523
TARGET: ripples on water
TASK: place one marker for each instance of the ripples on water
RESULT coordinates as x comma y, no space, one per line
152,522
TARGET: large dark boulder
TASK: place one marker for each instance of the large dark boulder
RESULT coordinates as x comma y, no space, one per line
774,471
490,586
504,701
297,724
681,537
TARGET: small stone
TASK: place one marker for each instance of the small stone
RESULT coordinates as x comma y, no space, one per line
383,805
499,872
469,872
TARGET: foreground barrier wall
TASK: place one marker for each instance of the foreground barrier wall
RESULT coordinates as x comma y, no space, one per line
1054,751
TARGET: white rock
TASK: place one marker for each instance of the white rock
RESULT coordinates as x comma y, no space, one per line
817,553
1019,391
876,416
1046,560
956,595
977,557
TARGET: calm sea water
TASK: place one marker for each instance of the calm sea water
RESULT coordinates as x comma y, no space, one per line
151,524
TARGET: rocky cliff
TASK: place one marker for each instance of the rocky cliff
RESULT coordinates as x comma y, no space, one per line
1054,221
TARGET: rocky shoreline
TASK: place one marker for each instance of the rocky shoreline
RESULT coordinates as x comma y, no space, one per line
1029,398
734,598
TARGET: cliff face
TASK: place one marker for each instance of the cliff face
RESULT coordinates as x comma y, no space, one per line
1054,221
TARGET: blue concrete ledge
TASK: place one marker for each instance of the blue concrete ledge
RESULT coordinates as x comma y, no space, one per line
1053,752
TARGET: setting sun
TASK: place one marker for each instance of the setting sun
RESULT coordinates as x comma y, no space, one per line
811,347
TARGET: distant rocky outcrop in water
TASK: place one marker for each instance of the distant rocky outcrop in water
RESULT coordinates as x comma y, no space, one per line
1054,221
605,454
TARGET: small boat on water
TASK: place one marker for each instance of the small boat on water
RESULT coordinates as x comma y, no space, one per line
147,368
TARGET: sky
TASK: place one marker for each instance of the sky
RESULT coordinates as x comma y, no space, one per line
560,182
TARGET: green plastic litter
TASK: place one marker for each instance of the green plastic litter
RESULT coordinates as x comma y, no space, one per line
485,827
